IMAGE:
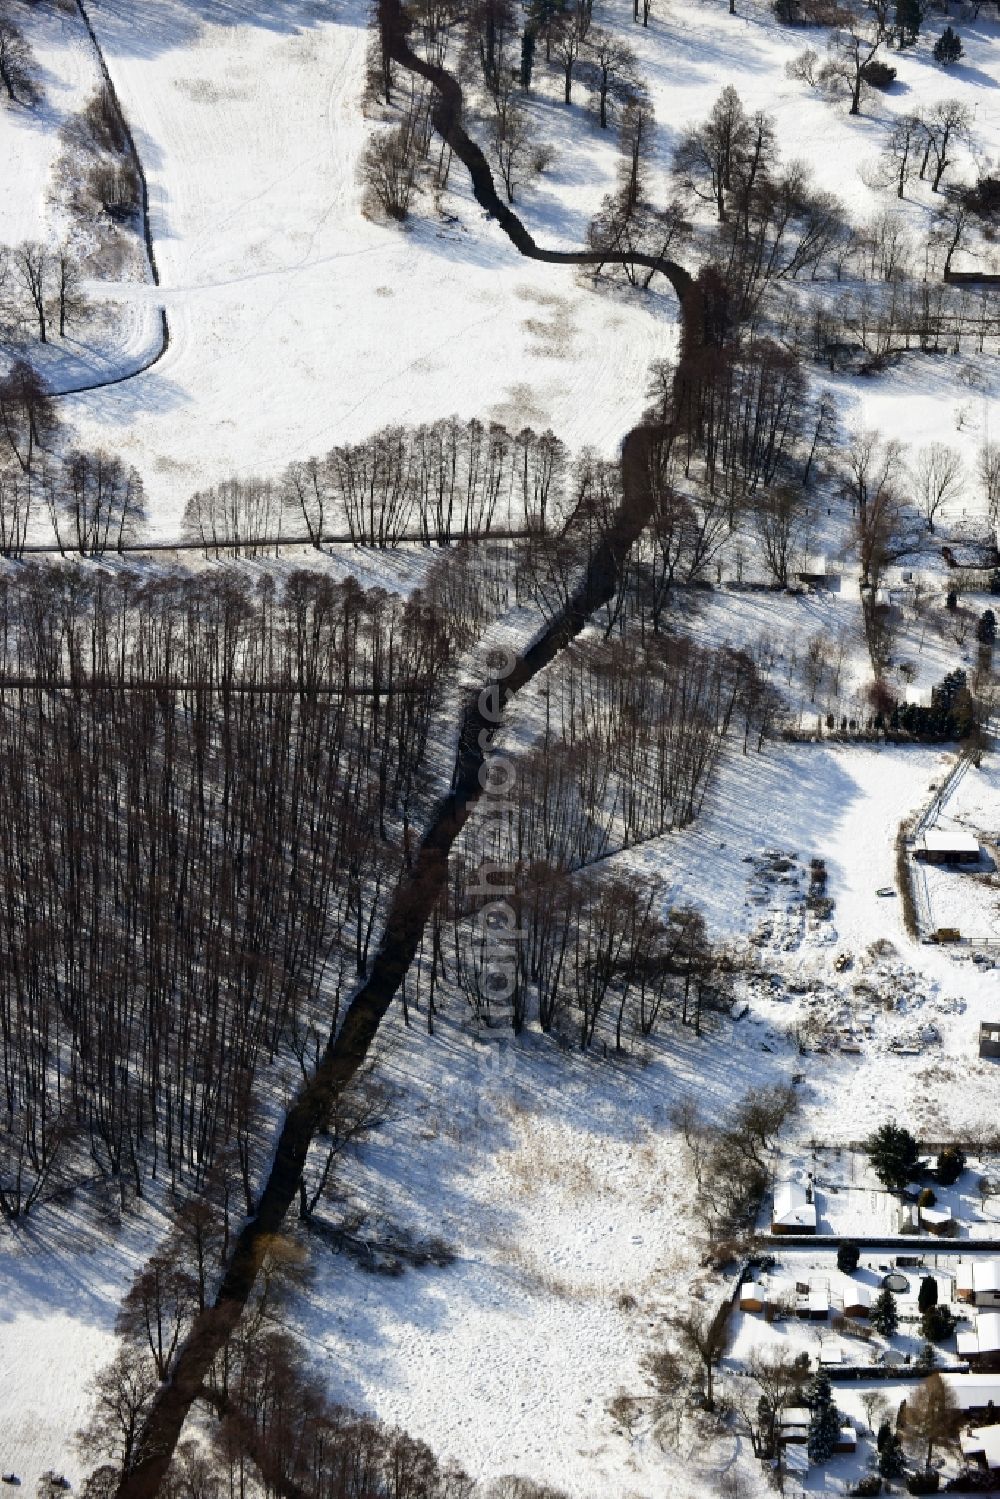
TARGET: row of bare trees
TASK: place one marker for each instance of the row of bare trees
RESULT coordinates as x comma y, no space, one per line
442,481
203,808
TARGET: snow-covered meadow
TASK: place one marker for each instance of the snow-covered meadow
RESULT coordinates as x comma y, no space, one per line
295,324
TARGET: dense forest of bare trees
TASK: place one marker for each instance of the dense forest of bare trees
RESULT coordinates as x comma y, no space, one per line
208,791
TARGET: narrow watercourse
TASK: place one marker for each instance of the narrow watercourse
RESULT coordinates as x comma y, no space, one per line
415,895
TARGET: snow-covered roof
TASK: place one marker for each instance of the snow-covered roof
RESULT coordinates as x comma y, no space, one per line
796,1415
936,1215
983,1276
984,1440
796,1460
856,1294
988,1332
954,841
791,1206
974,1391
983,1338
819,1300
848,1435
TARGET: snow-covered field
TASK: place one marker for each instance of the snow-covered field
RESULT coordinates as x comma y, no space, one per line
296,324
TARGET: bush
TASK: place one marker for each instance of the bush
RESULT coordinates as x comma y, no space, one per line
923,1483
868,1486
937,1324
984,201
848,1255
878,74
927,1198
948,49
116,187
951,1164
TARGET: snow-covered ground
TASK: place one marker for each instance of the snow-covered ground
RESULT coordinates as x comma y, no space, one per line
296,324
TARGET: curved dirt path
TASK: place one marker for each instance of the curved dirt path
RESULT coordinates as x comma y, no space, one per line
147,233
418,889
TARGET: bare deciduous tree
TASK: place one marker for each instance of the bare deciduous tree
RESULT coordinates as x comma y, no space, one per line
938,479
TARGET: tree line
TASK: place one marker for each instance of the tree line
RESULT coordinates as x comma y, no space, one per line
437,482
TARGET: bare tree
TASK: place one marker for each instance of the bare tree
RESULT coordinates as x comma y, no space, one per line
706,156
389,172
17,64
933,1419
852,48
947,123
612,67
988,471
123,1394
70,300
902,150
702,1336
510,135
938,479
32,265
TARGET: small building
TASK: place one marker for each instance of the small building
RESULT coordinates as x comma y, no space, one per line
793,1213
857,1300
752,1296
989,1038
946,846
794,1424
982,1445
937,1220
976,1394
816,1305
977,1282
980,1346
847,1440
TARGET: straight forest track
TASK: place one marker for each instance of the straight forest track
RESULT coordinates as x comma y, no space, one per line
415,896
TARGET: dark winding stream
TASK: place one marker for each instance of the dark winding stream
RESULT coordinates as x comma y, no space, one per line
414,897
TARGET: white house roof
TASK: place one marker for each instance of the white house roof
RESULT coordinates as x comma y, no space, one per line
985,1440
796,1460
966,1344
942,841
986,1276
819,1300
856,1294
796,1415
988,1332
791,1208
965,1276
936,1215
972,1391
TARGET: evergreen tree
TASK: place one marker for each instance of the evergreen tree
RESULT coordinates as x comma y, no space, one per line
937,1324
927,1296
951,1164
948,47
892,1152
986,629
884,1316
824,1420
890,1453
909,15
